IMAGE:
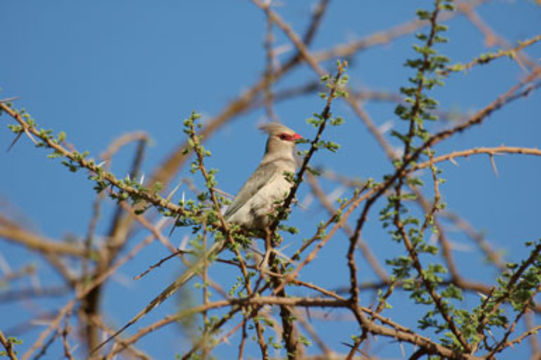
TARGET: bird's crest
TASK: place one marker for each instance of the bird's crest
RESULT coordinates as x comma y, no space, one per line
275,129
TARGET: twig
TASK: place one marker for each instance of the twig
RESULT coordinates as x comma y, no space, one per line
480,150
65,343
485,59
15,233
396,333
8,345
90,165
491,38
160,262
83,293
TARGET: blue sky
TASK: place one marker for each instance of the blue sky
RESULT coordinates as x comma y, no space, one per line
97,70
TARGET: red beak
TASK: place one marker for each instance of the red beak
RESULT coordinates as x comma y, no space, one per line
296,137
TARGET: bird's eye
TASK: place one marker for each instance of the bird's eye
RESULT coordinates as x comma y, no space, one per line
283,136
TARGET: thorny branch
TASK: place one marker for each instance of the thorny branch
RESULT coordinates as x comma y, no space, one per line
250,304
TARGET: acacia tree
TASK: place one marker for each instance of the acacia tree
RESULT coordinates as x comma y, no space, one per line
271,309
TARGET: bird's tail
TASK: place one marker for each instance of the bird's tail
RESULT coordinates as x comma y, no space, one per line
170,290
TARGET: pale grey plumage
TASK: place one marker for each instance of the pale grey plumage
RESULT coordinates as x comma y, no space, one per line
250,208
267,185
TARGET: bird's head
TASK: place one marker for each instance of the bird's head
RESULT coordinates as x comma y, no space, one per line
281,138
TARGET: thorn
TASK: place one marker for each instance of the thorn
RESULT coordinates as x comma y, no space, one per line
300,205
308,314
168,198
183,242
9,99
30,136
493,163
385,127
174,226
402,350
14,141
453,161
307,201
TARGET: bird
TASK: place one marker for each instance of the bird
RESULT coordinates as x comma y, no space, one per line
257,198
251,207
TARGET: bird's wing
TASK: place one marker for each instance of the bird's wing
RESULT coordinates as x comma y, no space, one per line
261,177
